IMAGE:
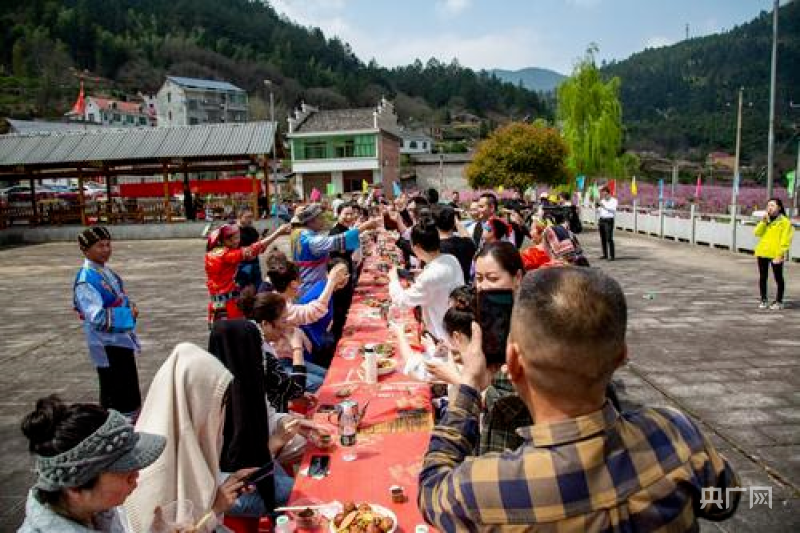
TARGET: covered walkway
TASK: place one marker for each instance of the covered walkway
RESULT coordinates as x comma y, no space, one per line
103,154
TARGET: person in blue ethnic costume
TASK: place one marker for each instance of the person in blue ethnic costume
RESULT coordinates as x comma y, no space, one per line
311,249
109,321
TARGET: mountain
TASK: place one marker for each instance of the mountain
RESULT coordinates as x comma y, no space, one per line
121,47
681,100
533,78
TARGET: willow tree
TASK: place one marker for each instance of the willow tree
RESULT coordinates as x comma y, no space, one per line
518,155
590,115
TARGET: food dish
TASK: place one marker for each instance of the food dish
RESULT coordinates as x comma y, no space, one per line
356,519
386,366
381,349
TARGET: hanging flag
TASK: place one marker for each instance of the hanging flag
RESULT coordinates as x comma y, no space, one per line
500,190
364,186
612,187
661,190
79,109
698,188
634,188
595,191
396,190
791,176
579,181
315,195
331,189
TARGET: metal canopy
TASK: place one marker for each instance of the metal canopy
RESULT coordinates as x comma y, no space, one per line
70,150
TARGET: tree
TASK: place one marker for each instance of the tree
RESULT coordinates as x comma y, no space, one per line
591,119
519,155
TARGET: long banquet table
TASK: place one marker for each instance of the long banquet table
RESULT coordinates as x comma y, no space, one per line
395,432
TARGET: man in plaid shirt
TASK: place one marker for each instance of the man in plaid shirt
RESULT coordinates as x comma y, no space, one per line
583,466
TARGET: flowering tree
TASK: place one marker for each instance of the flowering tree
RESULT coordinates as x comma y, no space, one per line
518,155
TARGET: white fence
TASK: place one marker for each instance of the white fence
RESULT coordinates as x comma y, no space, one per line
713,230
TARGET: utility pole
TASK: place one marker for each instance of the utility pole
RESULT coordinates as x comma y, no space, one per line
268,84
773,75
735,191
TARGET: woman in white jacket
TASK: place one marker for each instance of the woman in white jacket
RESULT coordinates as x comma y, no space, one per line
186,403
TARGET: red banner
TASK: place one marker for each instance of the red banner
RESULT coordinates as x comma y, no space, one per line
155,189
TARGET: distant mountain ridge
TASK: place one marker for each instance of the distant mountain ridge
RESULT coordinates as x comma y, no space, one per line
532,78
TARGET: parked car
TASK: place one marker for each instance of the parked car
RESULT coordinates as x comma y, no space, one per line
22,193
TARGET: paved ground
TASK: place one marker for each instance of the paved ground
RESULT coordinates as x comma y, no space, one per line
696,342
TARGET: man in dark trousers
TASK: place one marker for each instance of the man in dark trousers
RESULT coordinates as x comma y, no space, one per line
607,210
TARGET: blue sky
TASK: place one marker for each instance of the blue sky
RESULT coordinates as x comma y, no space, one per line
514,34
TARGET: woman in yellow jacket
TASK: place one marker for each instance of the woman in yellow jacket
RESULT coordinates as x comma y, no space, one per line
775,231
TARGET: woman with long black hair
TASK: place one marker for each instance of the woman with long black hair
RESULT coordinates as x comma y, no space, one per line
775,232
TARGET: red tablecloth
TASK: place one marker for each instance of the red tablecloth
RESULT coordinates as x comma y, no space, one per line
390,451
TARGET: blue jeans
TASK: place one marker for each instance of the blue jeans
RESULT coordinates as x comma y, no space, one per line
251,504
315,374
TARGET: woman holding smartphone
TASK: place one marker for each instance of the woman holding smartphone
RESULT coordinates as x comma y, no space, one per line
775,231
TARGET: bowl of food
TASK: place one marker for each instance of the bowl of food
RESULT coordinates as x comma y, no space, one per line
364,517
306,514
386,366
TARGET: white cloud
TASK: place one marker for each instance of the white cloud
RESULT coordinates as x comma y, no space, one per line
658,41
510,48
452,7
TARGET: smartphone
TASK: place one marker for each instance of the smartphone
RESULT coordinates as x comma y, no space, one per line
402,273
319,466
258,475
494,317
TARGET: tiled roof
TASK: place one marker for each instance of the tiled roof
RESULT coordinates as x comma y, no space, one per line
126,107
115,144
338,120
204,84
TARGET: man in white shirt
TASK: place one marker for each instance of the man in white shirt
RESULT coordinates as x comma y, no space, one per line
607,209
431,290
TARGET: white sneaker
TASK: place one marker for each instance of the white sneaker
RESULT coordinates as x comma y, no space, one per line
763,305
776,306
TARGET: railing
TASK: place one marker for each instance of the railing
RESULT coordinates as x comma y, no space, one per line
731,232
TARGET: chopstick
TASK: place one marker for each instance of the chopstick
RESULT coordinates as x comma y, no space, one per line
303,507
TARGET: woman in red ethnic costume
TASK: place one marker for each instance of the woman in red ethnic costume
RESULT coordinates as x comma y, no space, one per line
223,255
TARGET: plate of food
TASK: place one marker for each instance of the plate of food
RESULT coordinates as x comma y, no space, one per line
360,517
381,349
385,366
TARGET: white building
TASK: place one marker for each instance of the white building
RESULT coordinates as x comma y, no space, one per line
188,101
119,114
416,143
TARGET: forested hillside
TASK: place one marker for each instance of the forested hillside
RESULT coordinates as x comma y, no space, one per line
124,46
684,96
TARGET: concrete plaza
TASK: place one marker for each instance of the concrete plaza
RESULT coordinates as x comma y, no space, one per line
696,340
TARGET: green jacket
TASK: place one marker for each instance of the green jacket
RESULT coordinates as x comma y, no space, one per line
776,237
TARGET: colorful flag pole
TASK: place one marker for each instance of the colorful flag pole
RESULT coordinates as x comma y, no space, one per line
612,187
500,189
396,190
315,195
634,188
661,190
791,176
364,186
698,188
580,181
